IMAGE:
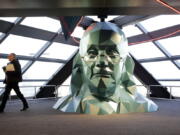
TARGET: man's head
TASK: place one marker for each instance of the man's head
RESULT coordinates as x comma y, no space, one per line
102,50
11,56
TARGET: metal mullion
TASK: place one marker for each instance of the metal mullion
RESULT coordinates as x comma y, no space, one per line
126,20
176,57
30,58
169,79
30,80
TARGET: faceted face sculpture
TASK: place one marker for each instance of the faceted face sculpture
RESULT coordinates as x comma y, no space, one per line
102,76
102,52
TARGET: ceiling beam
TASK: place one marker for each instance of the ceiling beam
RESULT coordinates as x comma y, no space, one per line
120,20
41,51
155,34
158,45
31,80
157,59
131,19
30,58
17,21
84,23
83,7
26,31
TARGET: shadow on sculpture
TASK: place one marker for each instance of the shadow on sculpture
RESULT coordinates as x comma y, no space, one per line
102,77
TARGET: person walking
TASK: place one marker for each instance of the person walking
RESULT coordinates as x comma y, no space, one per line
13,76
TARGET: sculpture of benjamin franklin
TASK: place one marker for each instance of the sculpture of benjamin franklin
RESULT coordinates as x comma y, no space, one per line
102,77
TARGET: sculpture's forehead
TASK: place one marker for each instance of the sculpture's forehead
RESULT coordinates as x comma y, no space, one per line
103,37
102,26
102,47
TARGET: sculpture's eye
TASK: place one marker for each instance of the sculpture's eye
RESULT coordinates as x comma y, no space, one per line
92,53
113,53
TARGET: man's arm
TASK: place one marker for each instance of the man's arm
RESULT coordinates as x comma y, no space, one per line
16,68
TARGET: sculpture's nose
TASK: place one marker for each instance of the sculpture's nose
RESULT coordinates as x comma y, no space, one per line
102,61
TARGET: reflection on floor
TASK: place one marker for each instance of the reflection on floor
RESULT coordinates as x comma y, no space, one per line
41,119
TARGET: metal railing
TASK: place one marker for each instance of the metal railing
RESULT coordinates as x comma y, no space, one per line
170,89
58,89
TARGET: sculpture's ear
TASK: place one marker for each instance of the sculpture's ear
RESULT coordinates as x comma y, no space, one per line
127,75
128,68
129,64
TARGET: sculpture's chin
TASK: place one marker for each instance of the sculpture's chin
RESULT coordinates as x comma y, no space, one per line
102,86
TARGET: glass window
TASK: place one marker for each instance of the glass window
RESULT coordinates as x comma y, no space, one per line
160,22
175,90
111,17
21,45
145,50
59,51
44,23
95,18
67,81
162,70
41,70
172,45
3,62
140,87
178,62
35,83
23,63
170,83
131,30
1,34
1,87
9,19
78,32
28,89
64,89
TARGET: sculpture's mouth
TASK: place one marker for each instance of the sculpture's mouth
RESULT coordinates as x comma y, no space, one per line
102,75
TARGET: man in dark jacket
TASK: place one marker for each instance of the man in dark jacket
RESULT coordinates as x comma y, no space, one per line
13,77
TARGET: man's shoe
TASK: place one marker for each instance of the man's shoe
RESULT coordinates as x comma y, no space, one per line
24,108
